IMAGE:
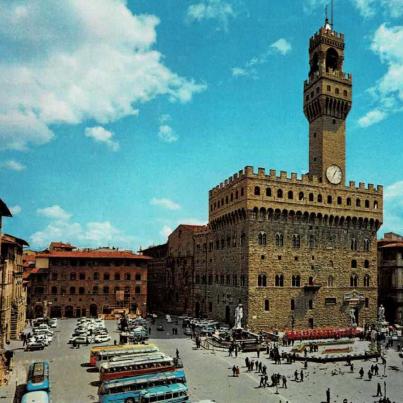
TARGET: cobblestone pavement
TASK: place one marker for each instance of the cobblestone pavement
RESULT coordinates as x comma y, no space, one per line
209,374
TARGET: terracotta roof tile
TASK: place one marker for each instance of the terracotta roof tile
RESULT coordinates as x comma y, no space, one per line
93,254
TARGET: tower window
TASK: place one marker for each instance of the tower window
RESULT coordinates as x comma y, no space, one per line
329,199
301,196
366,264
296,241
280,194
257,190
320,199
348,201
290,194
329,88
332,59
358,203
266,305
268,191
366,203
339,200
311,197
354,281
354,264
279,280
336,91
375,205
345,93
236,195
261,280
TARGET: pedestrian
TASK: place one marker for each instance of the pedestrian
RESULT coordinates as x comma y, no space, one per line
237,371
256,365
260,366
378,390
258,351
74,344
352,367
266,380
261,383
230,351
361,372
328,395
369,374
284,379
149,331
264,369
296,376
306,364
177,353
376,369
234,370
236,350
247,362
115,342
301,375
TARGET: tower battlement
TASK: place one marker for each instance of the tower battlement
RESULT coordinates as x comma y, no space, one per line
282,177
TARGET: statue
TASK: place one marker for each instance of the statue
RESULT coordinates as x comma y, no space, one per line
238,317
381,314
352,318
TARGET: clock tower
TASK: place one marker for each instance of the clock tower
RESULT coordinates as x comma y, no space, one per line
327,102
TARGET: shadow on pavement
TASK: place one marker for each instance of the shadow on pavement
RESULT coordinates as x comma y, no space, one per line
19,391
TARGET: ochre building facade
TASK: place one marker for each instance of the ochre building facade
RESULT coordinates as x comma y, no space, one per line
70,282
296,252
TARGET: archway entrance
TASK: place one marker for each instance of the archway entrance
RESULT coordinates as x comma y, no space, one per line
93,310
55,312
78,312
38,311
69,311
227,314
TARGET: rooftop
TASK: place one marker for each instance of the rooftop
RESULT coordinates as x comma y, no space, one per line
91,254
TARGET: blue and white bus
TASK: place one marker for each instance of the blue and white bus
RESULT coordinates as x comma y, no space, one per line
39,396
175,393
38,376
122,390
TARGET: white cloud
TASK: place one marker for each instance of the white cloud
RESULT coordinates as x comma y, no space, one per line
394,7
165,118
167,134
282,46
15,210
387,43
166,231
92,60
55,212
219,10
365,7
13,165
372,117
393,207
101,135
165,203
93,234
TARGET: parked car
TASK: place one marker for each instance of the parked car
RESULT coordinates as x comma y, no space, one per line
81,339
102,338
187,331
53,322
41,338
34,345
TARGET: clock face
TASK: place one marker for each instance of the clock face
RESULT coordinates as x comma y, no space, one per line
333,174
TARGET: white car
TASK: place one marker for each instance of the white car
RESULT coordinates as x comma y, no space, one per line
53,322
81,339
101,338
41,338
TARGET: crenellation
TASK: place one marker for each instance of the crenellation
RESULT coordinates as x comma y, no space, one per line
294,177
283,175
361,186
352,185
261,172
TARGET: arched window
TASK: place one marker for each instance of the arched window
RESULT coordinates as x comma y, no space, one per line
296,281
354,281
72,290
366,203
268,191
261,280
117,276
73,276
279,239
353,264
366,264
257,191
95,289
329,199
319,198
311,197
301,196
353,244
312,241
367,244
266,305
96,276
290,194
54,290
81,290
332,59
375,204
339,200
262,239
330,281
348,201
296,241
106,290
279,280
279,193
366,280
358,203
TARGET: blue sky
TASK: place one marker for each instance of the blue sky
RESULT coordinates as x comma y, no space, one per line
116,118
